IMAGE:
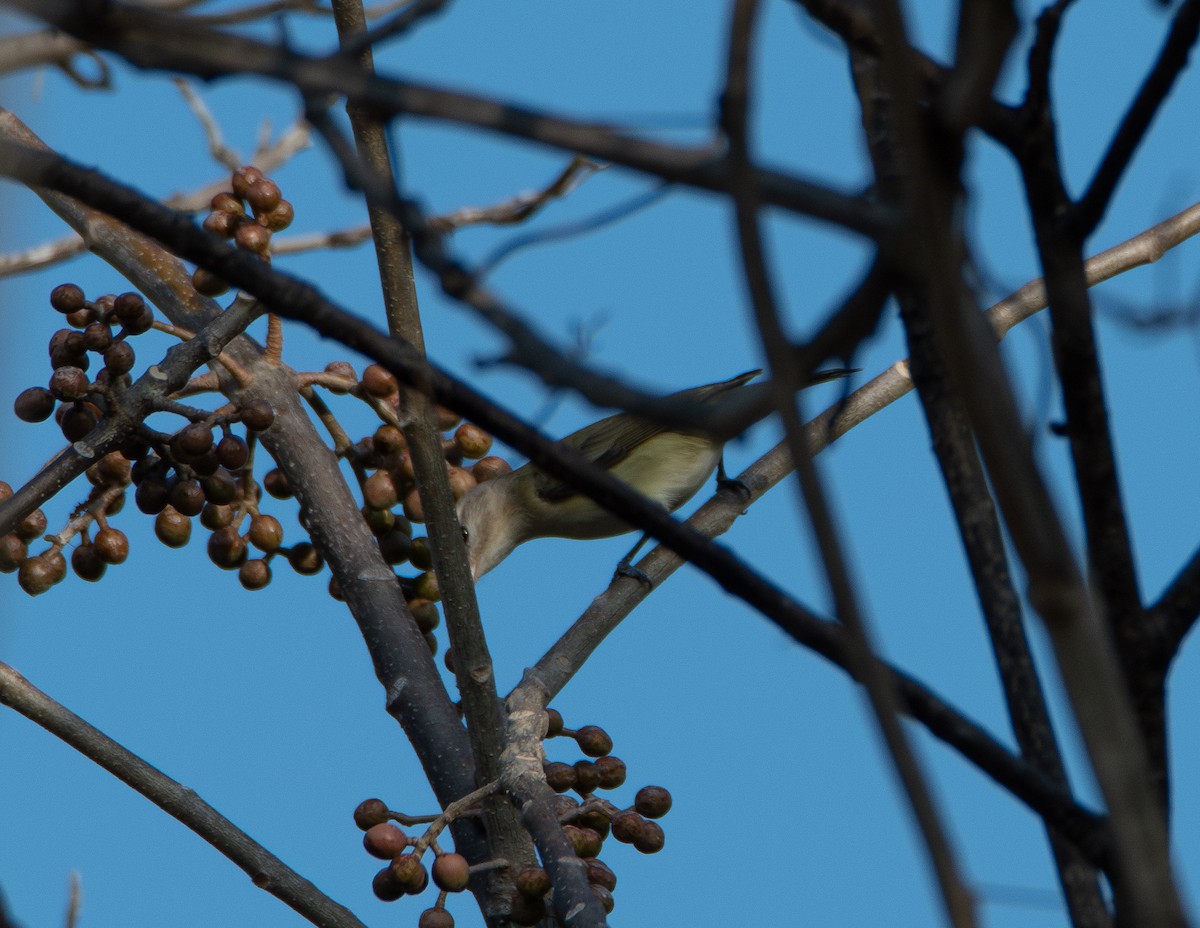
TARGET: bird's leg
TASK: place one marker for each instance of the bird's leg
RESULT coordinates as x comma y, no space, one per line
625,566
725,482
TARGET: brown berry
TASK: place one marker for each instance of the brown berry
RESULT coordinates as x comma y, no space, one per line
435,917
111,546
12,552
258,415
489,468
426,614
625,826
279,217
233,452
451,872
35,404
119,357
266,533
69,383
426,586
220,488
243,177
67,298
78,420
192,440
208,283
370,812
587,777
420,555
379,492
343,370
152,496
533,882
222,223
593,741
275,482
305,559
559,776
652,801
394,545
447,419
409,873
226,548
253,238
600,874
86,564
32,526
649,838
474,441
35,575
554,723
611,770
254,574
378,381
605,897
413,510
143,322
214,516
462,482
262,195
385,887
187,496
226,202
128,306
173,528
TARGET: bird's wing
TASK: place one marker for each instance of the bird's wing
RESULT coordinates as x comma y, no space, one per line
608,442
605,443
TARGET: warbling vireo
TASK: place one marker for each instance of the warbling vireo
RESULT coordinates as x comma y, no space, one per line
665,463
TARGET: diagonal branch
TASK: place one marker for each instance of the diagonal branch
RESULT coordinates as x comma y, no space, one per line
264,868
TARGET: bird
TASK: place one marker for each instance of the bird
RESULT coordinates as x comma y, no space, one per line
666,463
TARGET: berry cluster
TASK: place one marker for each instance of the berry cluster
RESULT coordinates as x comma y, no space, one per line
405,874
251,231
205,469
587,821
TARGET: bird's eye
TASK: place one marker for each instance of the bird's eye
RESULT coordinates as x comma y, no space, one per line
466,533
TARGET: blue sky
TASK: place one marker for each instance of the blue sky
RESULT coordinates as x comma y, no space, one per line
784,804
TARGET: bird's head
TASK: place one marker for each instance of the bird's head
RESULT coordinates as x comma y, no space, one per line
492,523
